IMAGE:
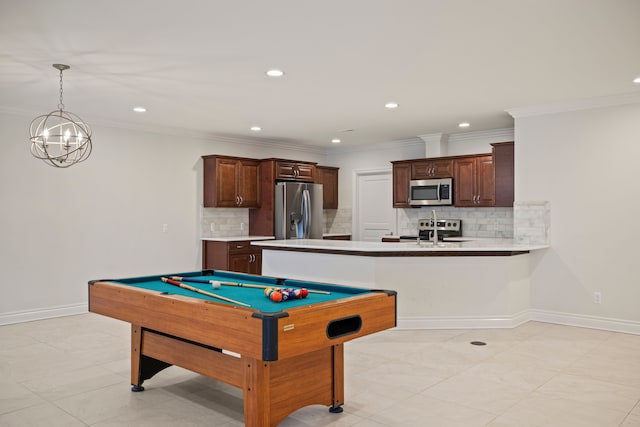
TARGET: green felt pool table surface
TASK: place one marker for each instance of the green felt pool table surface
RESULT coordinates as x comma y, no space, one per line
254,297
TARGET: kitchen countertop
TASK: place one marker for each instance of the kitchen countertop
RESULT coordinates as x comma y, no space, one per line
452,246
236,238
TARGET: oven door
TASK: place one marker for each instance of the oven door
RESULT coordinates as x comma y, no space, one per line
431,192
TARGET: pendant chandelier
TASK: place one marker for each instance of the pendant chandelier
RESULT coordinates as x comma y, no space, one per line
60,138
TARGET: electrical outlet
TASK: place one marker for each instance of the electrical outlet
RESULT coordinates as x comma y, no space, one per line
597,297
213,226
165,227
242,226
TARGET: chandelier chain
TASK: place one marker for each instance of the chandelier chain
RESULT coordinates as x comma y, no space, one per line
61,105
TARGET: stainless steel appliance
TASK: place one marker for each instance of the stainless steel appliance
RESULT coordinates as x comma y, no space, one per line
298,211
431,192
446,228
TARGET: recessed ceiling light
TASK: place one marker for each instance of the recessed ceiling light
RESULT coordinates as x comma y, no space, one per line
275,73
636,80
336,141
391,105
139,109
463,125
256,128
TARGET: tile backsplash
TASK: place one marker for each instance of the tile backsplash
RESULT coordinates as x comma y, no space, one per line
476,222
531,221
224,222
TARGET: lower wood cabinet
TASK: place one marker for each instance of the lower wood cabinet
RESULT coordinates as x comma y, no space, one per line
237,255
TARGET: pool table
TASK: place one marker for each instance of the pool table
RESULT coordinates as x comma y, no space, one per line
283,355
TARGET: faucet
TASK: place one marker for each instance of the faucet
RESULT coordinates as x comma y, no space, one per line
434,236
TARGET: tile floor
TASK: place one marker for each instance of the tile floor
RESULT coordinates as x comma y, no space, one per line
74,371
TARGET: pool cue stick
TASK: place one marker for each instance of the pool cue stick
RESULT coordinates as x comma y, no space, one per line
200,291
241,285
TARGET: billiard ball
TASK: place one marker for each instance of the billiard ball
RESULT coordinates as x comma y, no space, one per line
215,284
276,296
304,292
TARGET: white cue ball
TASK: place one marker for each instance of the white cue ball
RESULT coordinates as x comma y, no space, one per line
215,284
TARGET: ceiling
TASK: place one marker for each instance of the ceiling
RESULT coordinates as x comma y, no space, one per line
199,66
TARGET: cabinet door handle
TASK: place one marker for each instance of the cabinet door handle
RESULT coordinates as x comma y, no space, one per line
237,200
241,200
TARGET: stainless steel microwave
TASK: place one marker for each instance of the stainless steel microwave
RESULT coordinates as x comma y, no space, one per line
431,192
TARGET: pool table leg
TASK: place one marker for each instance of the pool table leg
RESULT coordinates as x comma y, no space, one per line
338,378
273,390
142,367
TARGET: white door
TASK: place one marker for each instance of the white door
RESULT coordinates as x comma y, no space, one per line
374,216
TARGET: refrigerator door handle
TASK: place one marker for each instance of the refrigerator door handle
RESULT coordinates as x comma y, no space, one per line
306,213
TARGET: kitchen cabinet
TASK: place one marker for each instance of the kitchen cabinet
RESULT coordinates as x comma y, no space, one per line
328,177
231,182
431,168
261,220
287,170
401,178
504,173
238,255
473,180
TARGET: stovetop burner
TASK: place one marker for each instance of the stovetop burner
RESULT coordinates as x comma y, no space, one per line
445,227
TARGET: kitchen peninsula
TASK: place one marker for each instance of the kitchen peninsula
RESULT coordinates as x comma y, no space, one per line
480,283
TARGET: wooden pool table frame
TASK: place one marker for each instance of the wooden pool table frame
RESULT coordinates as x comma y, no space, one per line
286,359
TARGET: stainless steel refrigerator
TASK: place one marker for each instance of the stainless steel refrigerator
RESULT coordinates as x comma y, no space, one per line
298,211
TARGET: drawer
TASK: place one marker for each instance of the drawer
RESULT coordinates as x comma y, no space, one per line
239,247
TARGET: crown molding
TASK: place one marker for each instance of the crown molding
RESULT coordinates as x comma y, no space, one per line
505,134
434,137
564,107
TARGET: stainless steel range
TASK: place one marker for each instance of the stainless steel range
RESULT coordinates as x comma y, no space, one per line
446,228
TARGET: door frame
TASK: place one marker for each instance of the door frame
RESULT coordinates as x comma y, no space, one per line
355,197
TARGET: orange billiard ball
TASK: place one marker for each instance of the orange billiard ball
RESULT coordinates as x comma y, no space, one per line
276,296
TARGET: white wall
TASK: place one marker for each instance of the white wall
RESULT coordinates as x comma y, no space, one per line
372,157
587,164
103,218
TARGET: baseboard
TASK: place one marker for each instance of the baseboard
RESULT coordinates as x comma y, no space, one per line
585,321
41,314
464,322
492,322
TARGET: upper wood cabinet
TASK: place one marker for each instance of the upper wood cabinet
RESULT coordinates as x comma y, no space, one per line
504,173
328,177
401,178
287,170
431,168
473,181
479,180
231,182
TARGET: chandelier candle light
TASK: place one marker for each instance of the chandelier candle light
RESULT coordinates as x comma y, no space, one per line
60,138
